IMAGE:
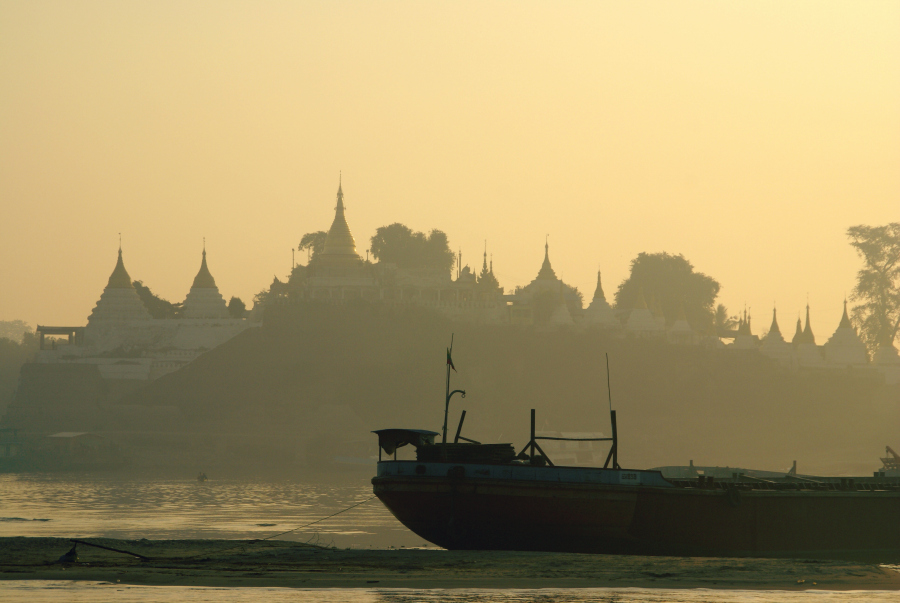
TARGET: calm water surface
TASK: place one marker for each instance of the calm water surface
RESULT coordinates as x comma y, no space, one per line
66,506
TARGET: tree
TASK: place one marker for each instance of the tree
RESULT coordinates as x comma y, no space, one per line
670,280
314,242
409,250
722,321
877,283
157,306
14,352
236,307
13,329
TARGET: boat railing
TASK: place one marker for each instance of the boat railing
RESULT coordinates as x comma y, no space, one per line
533,448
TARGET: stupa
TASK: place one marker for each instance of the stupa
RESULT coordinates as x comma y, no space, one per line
845,348
808,353
773,344
641,322
340,247
119,300
599,313
681,331
204,299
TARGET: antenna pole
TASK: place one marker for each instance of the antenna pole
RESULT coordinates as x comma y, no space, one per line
447,399
608,389
614,449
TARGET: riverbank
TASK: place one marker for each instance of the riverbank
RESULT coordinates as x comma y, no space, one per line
232,563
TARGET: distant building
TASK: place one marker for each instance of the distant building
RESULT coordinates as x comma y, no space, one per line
844,348
599,313
128,345
338,274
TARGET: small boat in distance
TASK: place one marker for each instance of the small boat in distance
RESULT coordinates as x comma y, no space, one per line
467,495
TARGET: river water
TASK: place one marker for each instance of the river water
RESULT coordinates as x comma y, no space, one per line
112,507
133,508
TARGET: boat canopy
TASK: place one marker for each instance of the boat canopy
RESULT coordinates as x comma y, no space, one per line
391,439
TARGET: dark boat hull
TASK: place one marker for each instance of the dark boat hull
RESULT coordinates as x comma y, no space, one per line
465,511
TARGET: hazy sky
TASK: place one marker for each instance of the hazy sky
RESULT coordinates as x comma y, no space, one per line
747,136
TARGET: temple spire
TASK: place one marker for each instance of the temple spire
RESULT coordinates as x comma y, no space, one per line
546,272
204,279
119,278
339,243
845,319
598,292
808,336
774,326
798,333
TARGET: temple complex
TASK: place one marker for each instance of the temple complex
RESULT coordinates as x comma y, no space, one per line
128,345
338,274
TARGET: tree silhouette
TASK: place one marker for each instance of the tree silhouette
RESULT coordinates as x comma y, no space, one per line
313,241
877,283
236,307
671,281
156,306
409,250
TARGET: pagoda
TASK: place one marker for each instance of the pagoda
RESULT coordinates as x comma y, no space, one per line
340,247
599,312
641,322
204,299
119,300
845,348
773,344
808,353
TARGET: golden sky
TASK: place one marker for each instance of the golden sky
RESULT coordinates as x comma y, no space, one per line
747,136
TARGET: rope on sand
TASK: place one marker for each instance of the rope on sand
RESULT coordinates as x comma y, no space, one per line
316,521
353,506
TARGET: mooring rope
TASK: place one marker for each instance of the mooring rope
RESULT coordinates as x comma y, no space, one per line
318,520
256,540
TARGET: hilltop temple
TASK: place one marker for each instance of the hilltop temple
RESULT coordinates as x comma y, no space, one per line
338,274
126,343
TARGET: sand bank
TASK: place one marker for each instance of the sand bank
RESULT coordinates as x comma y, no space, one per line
290,564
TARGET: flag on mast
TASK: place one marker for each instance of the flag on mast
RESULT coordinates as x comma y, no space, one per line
450,361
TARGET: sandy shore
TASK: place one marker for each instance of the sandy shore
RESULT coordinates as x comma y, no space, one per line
273,563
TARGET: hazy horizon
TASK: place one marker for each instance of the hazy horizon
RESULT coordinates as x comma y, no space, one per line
747,137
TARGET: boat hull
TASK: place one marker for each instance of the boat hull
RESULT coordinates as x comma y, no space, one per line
455,508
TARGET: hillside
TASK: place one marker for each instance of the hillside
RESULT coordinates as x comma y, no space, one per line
316,379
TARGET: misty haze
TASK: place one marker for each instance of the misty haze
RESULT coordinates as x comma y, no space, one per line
564,297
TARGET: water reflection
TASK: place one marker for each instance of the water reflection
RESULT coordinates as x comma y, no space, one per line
66,506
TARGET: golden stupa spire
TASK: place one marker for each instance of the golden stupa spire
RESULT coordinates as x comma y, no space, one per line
773,328
204,280
546,271
598,292
119,278
339,241
845,319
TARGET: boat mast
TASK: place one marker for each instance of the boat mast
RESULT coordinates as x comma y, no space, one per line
449,393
